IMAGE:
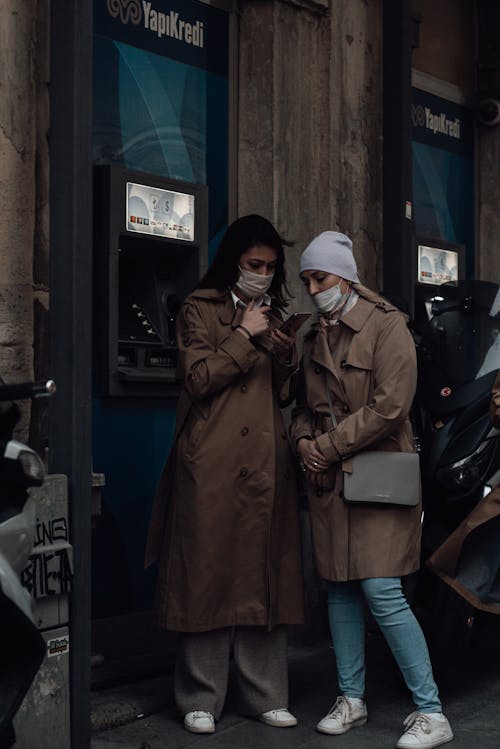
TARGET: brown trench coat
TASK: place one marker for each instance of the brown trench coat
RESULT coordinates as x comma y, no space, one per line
369,363
469,559
230,547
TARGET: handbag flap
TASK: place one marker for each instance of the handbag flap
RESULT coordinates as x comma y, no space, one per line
384,477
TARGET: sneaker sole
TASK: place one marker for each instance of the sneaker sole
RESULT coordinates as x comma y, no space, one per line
337,732
278,724
194,729
426,746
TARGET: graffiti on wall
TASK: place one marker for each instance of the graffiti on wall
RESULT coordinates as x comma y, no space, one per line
49,571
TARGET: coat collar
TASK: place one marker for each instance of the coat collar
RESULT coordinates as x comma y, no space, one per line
318,335
227,311
358,315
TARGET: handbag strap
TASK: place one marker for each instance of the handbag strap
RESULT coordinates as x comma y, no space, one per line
333,417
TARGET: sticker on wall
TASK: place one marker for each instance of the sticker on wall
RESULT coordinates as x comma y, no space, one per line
58,646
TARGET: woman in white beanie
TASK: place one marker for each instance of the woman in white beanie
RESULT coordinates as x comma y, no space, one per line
359,366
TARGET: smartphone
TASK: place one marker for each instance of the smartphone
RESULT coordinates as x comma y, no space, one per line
294,322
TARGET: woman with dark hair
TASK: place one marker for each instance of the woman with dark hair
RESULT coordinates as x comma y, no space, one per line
246,232
229,548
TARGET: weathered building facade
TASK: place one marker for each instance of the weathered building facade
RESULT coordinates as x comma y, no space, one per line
306,103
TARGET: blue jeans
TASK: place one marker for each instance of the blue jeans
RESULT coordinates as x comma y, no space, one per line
400,628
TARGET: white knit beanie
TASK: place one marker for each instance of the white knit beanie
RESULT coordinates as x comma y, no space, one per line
331,252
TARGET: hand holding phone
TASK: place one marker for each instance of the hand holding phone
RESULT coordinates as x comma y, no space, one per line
294,322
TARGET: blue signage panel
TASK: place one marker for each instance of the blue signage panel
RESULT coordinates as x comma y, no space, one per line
443,172
190,32
442,124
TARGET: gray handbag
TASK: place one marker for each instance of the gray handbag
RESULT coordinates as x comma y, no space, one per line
379,477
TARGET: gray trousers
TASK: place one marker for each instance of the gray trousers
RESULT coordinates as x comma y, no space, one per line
202,669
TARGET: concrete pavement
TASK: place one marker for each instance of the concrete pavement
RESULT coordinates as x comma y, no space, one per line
470,691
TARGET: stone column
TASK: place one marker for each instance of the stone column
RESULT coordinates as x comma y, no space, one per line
310,123
17,187
356,130
310,151
488,200
41,282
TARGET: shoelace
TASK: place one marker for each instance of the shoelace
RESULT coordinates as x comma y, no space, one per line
341,710
416,723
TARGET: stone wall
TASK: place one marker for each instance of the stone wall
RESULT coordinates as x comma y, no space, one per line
17,187
488,155
24,60
310,123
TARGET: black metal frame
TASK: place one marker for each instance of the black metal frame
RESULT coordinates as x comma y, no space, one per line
70,317
397,156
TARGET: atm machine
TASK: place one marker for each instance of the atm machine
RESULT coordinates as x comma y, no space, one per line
150,249
435,262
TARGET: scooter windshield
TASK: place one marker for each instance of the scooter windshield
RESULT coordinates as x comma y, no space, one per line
461,338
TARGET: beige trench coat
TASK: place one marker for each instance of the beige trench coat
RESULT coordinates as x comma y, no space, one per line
230,547
368,362
468,559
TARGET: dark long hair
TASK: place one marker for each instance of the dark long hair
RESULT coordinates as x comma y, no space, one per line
244,233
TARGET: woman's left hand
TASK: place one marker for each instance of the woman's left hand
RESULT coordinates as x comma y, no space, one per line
282,343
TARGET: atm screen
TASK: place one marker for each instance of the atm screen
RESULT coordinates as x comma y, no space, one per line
436,265
164,213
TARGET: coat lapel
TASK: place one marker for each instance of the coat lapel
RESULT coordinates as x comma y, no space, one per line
320,351
229,314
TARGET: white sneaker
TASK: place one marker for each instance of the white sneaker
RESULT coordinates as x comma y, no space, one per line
198,721
425,731
279,718
344,715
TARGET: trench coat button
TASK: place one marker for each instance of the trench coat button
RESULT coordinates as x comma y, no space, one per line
317,370
343,364
345,409
244,388
244,432
244,472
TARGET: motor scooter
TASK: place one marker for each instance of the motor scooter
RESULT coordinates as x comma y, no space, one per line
23,648
456,331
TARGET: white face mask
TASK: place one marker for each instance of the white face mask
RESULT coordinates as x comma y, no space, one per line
331,299
253,285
